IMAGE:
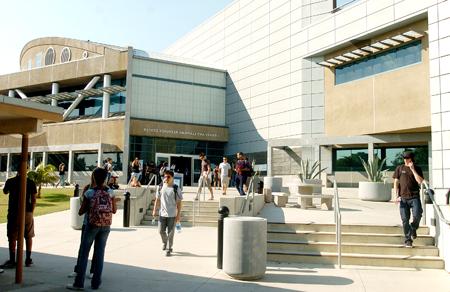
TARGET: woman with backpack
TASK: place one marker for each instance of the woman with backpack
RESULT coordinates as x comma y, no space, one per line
99,204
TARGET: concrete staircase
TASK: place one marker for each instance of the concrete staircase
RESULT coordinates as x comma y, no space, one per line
364,245
207,216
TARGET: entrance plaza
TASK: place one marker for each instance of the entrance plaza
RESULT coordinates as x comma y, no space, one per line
134,260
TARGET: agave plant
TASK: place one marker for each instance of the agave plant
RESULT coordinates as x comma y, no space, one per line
43,174
374,169
309,170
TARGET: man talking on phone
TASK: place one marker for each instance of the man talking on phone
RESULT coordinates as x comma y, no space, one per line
407,180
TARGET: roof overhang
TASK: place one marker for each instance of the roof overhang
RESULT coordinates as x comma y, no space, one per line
372,49
21,117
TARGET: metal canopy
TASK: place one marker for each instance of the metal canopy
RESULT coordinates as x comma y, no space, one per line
376,47
65,96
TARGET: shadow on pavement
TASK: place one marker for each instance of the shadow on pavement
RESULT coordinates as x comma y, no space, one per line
49,273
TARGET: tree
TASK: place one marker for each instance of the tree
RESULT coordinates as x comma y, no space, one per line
43,175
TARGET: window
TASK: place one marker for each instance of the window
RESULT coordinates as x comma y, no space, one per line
49,56
85,161
65,55
389,60
38,60
340,3
29,64
349,159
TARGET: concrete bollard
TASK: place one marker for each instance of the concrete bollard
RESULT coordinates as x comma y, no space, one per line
76,221
245,247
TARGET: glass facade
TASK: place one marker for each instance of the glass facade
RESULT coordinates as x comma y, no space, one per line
145,148
92,106
56,159
349,159
339,3
396,58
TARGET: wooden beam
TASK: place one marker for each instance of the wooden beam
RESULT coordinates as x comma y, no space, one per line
20,126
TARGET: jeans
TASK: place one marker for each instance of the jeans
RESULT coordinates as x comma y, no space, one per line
405,213
169,224
241,179
100,236
62,180
83,232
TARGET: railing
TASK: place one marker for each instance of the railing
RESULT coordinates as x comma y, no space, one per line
435,205
337,221
249,198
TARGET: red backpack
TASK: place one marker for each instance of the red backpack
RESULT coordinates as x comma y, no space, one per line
100,212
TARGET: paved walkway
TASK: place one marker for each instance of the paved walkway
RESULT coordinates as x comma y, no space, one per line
134,260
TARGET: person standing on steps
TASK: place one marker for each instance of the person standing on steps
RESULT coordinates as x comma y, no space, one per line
168,202
204,180
407,180
225,174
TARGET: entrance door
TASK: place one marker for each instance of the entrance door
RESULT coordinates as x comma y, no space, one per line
183,165
161,157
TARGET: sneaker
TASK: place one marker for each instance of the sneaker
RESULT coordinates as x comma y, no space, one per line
72,275
413,233
74,288
90,276
168,252
408,244
8,265
28,262
1,271
164,247
196,198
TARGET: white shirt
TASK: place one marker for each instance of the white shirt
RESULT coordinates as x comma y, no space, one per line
224,168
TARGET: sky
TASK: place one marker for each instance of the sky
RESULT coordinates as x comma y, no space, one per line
150,25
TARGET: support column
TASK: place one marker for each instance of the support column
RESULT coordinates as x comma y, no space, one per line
31,165
44,158
11,93
370,151
70,167
21,212
8,164
106,96
269,160
100,155
55,90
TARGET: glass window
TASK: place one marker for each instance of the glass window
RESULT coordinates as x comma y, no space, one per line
56,159
38,60
379,63
349,159
339,3
3,162
85,161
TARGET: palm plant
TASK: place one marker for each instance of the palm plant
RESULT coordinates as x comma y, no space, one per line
43,174
374,169
308,170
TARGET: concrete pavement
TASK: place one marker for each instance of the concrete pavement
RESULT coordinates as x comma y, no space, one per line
134,260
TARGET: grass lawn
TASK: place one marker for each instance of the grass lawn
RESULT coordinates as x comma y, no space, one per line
52,200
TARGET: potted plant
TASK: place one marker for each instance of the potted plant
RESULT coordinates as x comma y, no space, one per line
309,172
376,189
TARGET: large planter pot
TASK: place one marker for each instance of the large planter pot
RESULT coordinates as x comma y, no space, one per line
374,191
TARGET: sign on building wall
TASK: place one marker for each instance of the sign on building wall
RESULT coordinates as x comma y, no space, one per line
178,131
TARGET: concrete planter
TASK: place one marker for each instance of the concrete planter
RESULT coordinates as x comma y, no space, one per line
374,191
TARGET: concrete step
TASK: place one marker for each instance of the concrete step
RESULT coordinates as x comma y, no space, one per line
354,248
188,217
404,261
307,236
293,227
186,223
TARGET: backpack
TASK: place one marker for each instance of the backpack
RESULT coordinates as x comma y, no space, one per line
100,212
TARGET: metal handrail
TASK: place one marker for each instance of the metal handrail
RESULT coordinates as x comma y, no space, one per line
435,205
250,192
337,220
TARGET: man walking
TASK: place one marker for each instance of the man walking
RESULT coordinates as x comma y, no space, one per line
242,169
204,179
12,187
168,201
407,180
225,174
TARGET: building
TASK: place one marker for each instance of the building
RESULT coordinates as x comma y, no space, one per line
333,81
120,103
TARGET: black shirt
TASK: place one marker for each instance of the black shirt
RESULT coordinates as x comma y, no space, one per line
408,186
12,187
